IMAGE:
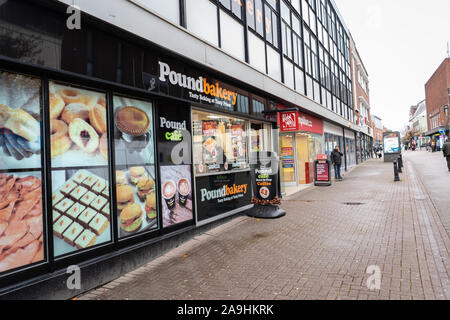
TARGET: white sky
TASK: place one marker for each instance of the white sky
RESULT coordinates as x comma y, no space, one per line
401,43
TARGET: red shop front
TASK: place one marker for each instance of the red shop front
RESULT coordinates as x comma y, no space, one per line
300,143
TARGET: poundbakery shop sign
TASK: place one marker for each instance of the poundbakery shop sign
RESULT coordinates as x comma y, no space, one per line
200,88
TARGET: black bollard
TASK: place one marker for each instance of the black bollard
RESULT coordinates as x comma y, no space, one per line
396,177
400,165
401,160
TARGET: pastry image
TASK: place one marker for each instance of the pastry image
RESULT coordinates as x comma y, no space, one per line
77,193
105,211
99,224
125,196
98,203
97,118
75,211
68,188
61,225
131,218
72,232
56,215
86,216
150,206
60,141
75,111
64,205
80,177
57,105
136,173
89,181
70,95
144,187
56,197
21,222
88,198
132,121
210,144
104,146
105,192
121,177
23,125
102,102
84,136
99,186
86,239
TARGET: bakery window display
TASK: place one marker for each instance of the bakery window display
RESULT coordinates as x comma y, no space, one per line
219,143
77,204
20,117
78,127
21,221
133,138
136,200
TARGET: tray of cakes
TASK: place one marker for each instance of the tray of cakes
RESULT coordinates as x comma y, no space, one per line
136,200
81,212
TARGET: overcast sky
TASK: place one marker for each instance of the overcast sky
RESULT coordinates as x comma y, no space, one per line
401,43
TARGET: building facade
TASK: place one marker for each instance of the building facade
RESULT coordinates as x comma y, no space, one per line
418,125
437,92
361,103
132,122
377,129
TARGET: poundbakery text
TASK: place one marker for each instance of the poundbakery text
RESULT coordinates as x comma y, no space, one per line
226,310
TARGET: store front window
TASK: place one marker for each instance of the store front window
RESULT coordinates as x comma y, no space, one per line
219,142
21,213
80,174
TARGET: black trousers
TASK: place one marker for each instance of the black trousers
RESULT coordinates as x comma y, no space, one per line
448,162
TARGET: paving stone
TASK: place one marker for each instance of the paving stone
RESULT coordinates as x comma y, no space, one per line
320,250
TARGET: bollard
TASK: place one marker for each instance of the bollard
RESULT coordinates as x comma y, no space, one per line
400,165
401,160
396,177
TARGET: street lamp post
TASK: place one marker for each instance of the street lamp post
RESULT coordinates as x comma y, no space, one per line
446,117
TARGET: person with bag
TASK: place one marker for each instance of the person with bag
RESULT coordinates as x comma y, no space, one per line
446,151
336,159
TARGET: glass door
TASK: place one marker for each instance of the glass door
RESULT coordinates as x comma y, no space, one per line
287,153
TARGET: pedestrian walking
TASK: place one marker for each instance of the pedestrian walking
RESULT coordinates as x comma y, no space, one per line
446,150
336,159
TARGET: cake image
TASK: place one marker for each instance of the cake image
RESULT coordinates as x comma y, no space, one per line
132,121
99,224
131,218
86,239
72,232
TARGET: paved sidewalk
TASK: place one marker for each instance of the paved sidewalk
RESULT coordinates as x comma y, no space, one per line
320,250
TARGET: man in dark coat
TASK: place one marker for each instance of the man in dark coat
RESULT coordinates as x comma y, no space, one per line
446,150
336,159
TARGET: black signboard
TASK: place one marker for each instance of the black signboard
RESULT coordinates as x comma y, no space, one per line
222,193
322,173
174,152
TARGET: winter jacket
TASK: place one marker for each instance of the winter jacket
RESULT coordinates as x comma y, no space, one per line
336,157
446,149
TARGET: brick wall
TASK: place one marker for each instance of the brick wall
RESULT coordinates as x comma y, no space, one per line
436,92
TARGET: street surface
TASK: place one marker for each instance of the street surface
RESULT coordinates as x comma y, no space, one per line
322,248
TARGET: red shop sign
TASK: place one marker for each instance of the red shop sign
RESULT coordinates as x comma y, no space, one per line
309,124
288,121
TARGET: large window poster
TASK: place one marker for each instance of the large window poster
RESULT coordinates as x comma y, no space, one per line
135,169
21,214
175,163
80,174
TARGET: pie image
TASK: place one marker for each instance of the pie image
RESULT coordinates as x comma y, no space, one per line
132,121
210,144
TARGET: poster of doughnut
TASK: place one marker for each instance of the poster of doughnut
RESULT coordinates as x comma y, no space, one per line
78,127
20,118
133,133
176,191
80,209
21,220
136,199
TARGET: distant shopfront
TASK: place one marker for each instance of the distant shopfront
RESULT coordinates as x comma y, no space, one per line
300,143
